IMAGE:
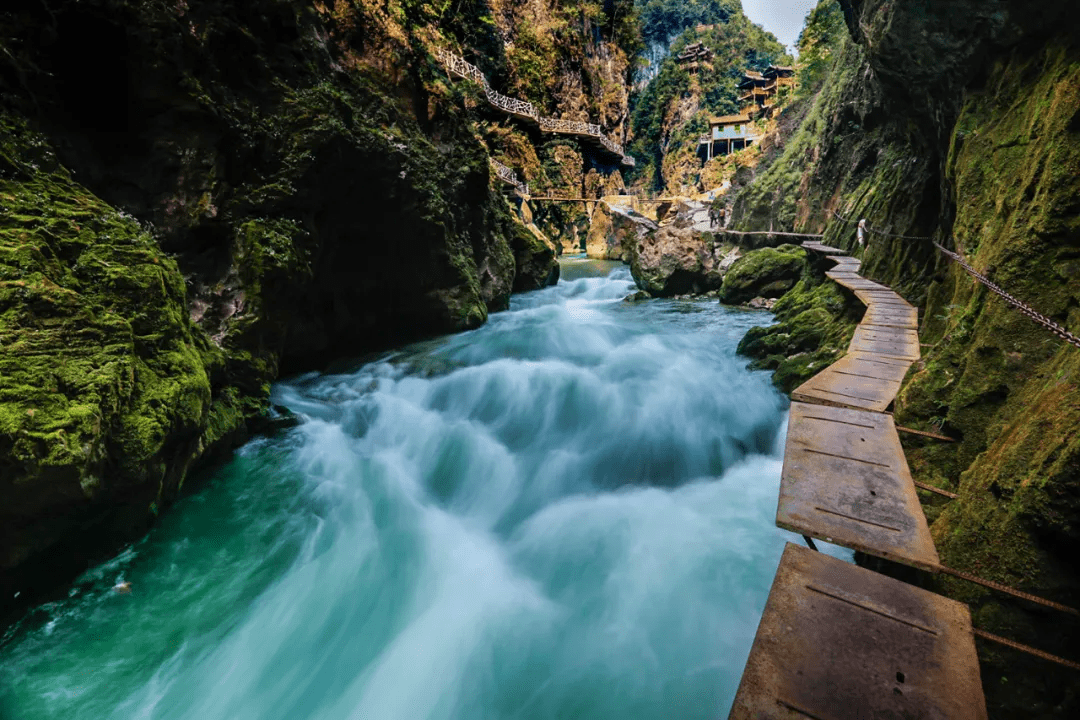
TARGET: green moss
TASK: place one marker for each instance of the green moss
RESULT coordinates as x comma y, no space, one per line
768,272
101,374
815,323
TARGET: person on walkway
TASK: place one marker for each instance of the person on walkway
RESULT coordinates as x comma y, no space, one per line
861,233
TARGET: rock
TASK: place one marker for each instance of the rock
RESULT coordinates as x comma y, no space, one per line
107,388
614,231
278,419
765,273
534,258
760,303
639,296
677,260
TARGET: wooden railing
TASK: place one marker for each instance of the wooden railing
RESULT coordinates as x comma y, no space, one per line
458,66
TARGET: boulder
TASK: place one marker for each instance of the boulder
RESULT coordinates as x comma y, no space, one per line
765,273
614,231
678,261
534,258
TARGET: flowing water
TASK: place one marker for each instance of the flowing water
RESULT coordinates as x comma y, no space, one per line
567,513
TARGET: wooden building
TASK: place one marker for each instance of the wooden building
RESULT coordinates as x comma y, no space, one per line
759,90
728,134
695,57
780,76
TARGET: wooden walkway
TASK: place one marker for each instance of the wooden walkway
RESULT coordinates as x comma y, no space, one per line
838,641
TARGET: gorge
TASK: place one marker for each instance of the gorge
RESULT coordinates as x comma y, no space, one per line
280,350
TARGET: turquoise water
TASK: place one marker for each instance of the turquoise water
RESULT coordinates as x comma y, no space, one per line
567,513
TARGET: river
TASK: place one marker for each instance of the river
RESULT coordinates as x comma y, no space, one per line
567,513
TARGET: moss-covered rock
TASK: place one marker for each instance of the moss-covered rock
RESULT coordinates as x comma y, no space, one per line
815,321
261,187
534,259
1003,386
957,121
106,395
768,273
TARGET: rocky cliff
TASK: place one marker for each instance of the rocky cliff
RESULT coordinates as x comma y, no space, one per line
199,197
573,60
959,122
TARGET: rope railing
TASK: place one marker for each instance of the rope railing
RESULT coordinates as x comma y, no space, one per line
459,66
1023,307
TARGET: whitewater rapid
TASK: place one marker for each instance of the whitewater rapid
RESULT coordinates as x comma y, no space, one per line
567,513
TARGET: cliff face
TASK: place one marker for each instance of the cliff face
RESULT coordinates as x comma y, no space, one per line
573,60
959,121
204,196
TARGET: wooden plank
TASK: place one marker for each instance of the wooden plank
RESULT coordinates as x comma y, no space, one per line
884,297
839,642
845,480
891,315
888,341
858,381
824,249
854,282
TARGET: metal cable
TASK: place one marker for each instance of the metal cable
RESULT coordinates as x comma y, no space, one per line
1023,307
1025,648
1007,590
880,232
769,232
923,433
939,491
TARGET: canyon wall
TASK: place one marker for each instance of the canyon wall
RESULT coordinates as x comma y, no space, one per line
960,122
200,197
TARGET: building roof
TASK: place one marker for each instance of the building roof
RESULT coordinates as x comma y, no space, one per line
730,119
780,68
697,50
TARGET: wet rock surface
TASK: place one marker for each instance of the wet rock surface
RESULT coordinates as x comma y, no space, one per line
682,257
210,196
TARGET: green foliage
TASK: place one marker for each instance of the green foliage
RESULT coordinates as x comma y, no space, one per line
101,371
663,20
737,45
815,323
819,43
768,272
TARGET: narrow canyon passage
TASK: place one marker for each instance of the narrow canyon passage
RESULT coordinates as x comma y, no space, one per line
567,513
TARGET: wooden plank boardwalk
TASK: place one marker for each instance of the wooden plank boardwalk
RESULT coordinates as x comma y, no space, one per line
593,135
836,641
846,481
861,381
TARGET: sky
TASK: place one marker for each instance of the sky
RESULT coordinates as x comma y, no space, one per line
783,18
